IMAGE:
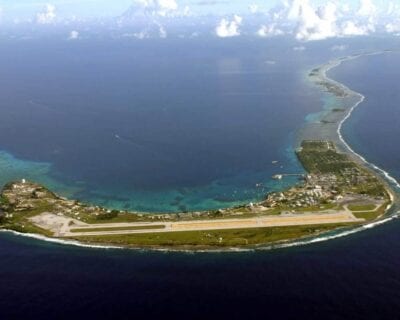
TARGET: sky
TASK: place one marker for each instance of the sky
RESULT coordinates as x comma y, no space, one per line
305,20
24,9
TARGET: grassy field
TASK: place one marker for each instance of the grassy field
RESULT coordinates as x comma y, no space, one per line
215,238
365,207
368,215
324,207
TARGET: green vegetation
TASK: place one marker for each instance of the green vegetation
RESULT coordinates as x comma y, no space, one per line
3,201
327,122
108,215
362,207
19,221
324,207
216,238
320,157
149,227
27,227
371,215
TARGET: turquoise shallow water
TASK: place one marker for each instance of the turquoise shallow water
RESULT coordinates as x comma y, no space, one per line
218,194
16,169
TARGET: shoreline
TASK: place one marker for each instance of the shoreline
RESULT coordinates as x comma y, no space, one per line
386,175
324,236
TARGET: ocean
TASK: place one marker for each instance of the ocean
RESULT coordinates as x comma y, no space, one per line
152,125
382,97
353,277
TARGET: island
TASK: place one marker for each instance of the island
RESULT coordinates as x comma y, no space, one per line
335,193
339,191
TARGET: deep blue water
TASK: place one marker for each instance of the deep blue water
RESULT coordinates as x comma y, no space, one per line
355,277
349,278
373,129
153,125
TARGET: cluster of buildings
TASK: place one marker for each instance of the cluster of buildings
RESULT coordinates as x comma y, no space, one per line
354,176
316,190
298,197
320,189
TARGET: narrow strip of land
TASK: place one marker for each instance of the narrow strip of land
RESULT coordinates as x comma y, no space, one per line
63,226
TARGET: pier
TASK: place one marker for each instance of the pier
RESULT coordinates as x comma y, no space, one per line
280,176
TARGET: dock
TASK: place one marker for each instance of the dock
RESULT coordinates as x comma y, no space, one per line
280,176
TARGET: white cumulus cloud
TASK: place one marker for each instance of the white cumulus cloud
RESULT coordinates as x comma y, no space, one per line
314,24
392,27
309,20
269,31
47,16
149,18
229,28
350,28
393,9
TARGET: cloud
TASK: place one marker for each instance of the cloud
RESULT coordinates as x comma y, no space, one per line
305,20
210,2
308,22
393,9
301,19
340,47
350,28
158,7
367,8
148,18
47,16
345,8
314,24
227,28
392,27
73,35
269,31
